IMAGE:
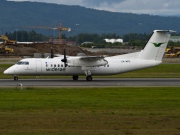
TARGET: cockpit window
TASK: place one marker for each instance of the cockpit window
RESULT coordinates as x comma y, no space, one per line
22,63
19,63
25,63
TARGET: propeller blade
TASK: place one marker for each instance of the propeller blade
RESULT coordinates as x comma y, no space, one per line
52,54
65,55
65,59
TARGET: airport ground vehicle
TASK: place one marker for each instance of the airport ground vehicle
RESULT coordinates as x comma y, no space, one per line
4,48
172,51
6,40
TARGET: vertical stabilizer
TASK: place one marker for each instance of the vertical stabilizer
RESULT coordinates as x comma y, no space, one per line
155,48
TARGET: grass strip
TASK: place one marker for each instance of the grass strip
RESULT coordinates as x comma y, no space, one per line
94,111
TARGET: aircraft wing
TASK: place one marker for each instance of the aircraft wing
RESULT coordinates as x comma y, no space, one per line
58,55
87,61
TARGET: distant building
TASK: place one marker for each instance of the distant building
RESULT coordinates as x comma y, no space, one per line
175,39
114,40
85,43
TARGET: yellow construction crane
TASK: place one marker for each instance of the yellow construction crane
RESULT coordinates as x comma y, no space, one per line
60,29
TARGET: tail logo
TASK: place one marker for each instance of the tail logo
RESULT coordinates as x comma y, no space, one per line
157,44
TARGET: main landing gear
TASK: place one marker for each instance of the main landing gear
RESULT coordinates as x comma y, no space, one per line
75,77
89,78
16,78
88,75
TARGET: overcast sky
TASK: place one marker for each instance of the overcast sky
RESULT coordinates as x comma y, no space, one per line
155,7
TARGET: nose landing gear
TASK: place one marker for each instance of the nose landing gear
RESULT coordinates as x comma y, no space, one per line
16,78
75,77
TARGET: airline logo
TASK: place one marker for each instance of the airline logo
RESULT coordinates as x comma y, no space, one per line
55,69
157,44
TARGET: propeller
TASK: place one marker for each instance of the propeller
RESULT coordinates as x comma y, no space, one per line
52,54
65,59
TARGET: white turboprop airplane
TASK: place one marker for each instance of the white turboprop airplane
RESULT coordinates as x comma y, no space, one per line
90,66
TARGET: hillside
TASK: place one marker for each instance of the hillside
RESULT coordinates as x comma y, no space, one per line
16,14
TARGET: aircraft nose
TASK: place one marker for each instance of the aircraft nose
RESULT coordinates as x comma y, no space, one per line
6,71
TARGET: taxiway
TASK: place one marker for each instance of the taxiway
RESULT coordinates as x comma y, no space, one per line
97,82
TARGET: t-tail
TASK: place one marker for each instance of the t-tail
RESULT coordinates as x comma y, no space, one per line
155,47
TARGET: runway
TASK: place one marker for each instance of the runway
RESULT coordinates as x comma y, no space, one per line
97,82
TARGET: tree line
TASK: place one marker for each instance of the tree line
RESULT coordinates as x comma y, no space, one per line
132,39
26,36
80,38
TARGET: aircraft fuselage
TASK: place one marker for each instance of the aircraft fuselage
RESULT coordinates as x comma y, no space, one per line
54,67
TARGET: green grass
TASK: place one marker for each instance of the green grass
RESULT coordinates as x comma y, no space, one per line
97,111
161,71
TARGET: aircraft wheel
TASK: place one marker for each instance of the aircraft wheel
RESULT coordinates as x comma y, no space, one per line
89,78
15,78
75,77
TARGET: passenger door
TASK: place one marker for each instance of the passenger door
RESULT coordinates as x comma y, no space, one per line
38,66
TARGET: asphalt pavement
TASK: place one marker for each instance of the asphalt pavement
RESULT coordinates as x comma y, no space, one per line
97,82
